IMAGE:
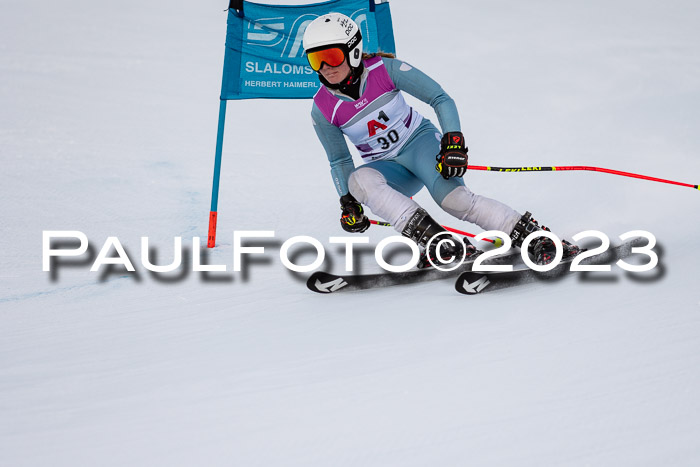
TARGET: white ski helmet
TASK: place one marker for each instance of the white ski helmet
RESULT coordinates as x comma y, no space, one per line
335,29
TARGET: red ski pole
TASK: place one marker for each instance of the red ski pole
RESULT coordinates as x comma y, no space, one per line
579,167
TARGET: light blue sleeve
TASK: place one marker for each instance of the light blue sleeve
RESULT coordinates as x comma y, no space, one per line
416,83
339,156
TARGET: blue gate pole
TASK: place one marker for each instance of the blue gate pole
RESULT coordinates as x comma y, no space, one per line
211,240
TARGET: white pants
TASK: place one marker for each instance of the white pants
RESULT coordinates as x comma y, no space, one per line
370,188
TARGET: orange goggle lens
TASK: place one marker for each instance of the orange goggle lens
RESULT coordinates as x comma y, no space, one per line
332,57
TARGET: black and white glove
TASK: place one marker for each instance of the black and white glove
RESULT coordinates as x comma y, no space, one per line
353,218
452,160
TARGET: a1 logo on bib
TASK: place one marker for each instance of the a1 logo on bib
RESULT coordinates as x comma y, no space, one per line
373,125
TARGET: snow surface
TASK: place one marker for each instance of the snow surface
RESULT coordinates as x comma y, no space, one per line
108,126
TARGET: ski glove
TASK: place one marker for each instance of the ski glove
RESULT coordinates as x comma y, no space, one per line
353,218
452,160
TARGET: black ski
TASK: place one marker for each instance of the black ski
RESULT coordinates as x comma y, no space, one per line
472,283
324,282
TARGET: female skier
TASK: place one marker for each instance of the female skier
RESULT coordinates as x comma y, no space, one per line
361,99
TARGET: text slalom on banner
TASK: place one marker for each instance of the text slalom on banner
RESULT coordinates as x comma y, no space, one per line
264,53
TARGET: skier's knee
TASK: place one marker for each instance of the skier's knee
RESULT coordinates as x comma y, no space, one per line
363,182
458,202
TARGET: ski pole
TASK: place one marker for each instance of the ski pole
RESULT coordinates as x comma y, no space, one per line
384,224
496,242
579,167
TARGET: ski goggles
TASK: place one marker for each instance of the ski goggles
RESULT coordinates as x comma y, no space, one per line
332,57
